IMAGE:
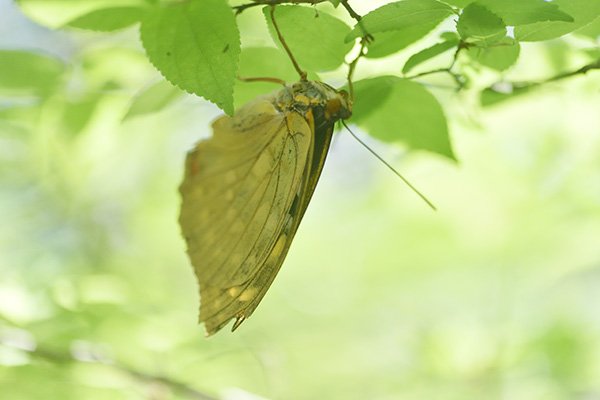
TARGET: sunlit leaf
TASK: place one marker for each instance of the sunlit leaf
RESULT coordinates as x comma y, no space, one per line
478,24
153,99
522,12
459,3
108,19
196,46
409,114
591,30
583,11
499,57
389,42
316,39
429,53
403,15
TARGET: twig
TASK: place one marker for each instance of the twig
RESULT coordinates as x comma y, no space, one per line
458,78
366,36
241,8
352,67
262,79
60,358
285,46
595,65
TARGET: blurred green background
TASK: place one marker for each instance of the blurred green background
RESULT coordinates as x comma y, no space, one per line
495,296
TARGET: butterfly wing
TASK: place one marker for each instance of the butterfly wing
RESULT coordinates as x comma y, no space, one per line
239,189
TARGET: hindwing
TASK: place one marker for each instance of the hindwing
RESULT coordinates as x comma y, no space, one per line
238,193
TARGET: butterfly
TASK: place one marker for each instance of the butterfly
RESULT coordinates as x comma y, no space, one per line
246,189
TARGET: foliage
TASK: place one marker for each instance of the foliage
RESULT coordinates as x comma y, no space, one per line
493,297
196,45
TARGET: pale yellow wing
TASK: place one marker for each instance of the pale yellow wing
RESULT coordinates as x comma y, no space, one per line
238,190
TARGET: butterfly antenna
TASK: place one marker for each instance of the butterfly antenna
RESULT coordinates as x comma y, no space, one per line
398,174
285,46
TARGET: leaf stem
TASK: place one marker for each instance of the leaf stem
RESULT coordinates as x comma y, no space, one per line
458,78
285,46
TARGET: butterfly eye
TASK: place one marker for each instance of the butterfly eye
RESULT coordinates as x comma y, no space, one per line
338,107
332,108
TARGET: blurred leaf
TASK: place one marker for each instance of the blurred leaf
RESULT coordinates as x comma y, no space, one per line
522,12
316,39
583,11
153,99
499,57
196,46
27,73
57,13
263,62
500,93
77,114
403,15
108,19
480,25
409,114
429,53
335,2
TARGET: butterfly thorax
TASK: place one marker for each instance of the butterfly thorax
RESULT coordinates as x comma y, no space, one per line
322,100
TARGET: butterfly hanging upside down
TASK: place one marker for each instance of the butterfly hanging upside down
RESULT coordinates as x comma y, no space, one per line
246,189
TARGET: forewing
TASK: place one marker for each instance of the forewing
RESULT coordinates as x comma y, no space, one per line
238,190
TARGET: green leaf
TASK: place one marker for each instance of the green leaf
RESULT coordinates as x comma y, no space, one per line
369,94
429,53
583,12
498,94
522,12
153,99
480,25
27,73
459,3
108,19
390,42
316,39
500,57
408,114
78,113
591,30
57,13
265,62
401,15
335,2
196,46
